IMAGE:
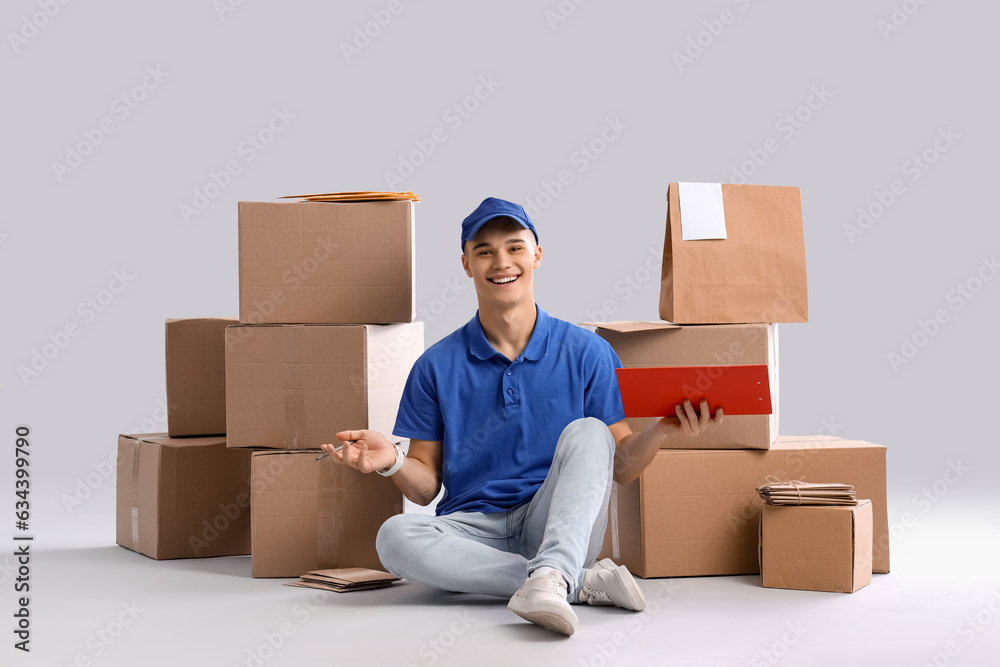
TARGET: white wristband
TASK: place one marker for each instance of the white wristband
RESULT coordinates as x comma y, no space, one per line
394,468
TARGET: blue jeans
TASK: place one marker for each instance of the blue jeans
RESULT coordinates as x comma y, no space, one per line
561,527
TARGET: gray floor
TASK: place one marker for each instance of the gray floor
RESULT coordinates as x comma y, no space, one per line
211,612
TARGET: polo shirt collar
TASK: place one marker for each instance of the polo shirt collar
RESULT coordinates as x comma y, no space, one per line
537,346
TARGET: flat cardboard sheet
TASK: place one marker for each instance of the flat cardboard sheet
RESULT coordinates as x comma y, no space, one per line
807,493
345,580
357,195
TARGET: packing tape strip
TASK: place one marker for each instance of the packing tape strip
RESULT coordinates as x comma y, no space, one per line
294,397
134,500
330,517
613,511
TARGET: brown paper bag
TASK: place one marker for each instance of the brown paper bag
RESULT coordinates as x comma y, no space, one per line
756,274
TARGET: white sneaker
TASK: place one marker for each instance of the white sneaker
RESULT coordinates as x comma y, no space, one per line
607,584
542,600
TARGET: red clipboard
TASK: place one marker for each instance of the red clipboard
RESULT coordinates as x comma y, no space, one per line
653,392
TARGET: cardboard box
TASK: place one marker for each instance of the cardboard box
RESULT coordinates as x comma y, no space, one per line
295,386
326,262
196,376
696,512
313,515
816,548
755,273
662,344
182,497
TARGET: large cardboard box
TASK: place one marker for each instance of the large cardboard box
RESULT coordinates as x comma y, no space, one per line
696,512
816,548
326,262
662,344
196,376
295,386
756,271
313,515
182,497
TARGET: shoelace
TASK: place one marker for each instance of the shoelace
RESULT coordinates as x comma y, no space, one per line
598,596
557,585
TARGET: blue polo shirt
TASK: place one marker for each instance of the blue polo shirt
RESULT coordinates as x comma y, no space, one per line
499,420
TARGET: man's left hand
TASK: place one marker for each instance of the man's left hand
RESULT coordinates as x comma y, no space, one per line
688,421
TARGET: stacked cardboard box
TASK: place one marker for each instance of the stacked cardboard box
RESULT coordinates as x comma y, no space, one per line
325,343
662,344
733,266
816,548
186,497
196,376
182,497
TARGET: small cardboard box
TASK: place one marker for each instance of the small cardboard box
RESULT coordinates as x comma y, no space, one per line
696,512
662,344
182,497
196,376
295,386
755,273
313,515
816,548
326,262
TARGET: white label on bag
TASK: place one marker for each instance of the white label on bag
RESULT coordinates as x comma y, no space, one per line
702,214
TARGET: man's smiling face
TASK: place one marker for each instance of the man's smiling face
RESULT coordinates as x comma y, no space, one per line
501,260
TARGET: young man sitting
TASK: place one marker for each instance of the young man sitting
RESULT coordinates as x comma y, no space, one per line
519,416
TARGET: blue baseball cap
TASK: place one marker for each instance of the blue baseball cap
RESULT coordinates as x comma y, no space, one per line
494,208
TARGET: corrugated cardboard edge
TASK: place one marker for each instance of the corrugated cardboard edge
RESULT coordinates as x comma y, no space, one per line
863,548
413,261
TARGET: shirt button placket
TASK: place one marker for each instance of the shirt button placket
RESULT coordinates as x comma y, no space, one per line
508,389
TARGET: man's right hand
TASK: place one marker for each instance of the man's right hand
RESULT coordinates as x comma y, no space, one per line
366,451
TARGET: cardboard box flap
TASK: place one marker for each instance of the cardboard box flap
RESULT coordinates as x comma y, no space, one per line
163,440
628,327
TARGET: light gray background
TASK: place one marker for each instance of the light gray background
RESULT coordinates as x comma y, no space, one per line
556,86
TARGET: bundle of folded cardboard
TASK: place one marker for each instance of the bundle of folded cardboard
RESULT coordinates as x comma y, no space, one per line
345,579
